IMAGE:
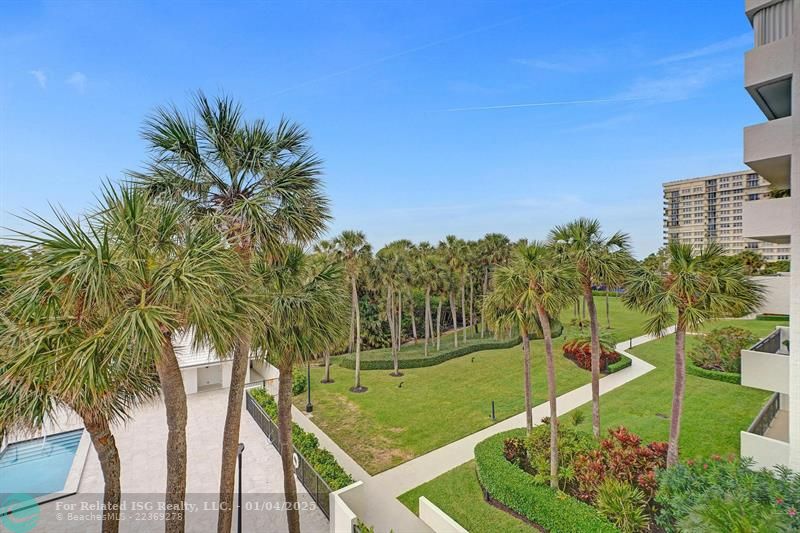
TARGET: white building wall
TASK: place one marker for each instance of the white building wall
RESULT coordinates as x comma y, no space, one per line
776,294
794,365
189,380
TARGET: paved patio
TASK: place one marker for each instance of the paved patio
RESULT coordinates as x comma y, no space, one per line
142,446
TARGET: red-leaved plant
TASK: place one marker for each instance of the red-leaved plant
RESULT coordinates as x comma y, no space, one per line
623,457
579,350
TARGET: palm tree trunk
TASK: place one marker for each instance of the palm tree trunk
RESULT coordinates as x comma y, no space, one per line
327,356
471,304
464,311
455,318
427,318
589,301
483,300
357,386
108,456
439,325
413,318
392,322
399,331
285,437
230,436
526,350
352,328
544,319
169,374
678,392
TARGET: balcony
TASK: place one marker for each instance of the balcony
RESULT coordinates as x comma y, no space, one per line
767,438
768,220
768,148
766,364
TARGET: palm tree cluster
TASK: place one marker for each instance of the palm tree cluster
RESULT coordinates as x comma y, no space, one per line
208,242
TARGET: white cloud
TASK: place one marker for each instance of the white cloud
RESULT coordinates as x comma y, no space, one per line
78,81
679,83
734,43
570,62
41,77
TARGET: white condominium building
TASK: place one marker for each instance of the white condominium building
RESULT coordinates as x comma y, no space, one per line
721,208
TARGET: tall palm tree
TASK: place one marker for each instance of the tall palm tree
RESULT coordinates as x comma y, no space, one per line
354,250
596,258
425,271
307,307
261,186
494,250
690,289
148,274
451,251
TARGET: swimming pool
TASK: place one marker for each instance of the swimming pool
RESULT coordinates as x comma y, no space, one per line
38,466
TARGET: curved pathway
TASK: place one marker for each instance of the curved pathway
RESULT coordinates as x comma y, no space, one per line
385,512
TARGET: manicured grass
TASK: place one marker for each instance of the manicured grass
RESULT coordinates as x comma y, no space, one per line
398,419
458,494
714,412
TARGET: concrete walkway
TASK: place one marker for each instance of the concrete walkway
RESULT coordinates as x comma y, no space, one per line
385,512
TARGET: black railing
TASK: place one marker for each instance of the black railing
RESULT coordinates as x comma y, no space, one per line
311,480
769,344
762,422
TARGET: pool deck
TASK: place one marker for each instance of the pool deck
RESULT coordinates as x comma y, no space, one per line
142,446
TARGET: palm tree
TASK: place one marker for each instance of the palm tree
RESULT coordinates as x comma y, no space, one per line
451,251
354,250
425,271
596,258
260,185
148,274
690,289
494,249
307,307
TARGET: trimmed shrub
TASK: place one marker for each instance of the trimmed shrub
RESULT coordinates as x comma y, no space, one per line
624,362
348,361
777,318
624,505
727,377
298,382
321,460
515,489
694,488
720,349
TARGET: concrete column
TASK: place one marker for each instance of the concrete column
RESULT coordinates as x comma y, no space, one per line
794,301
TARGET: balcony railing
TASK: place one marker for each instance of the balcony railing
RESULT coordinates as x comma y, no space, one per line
762,422
773,22
769,344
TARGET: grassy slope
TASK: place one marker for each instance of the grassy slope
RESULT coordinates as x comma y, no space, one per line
436,405
715,413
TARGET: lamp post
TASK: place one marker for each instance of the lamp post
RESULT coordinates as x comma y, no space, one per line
309,405
239,504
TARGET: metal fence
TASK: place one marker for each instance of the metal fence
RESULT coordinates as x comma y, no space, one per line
311,480
761,424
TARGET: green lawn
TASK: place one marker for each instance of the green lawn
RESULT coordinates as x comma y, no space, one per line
458,494
714,412
398,419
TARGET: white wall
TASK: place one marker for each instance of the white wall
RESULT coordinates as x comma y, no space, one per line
766,452
189,380
776,294
436,519
342,516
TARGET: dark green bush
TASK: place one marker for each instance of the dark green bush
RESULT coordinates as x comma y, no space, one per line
298,382
727,377
624,505
516,489
321,460
720,349
776,318
571,443
348,361
624,362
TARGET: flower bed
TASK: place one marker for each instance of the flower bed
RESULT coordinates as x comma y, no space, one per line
321,460
515,489
348,361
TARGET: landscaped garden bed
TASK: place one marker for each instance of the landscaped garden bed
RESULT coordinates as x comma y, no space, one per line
579,350
717,354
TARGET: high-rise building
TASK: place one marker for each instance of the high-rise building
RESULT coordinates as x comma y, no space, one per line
717,208
772,149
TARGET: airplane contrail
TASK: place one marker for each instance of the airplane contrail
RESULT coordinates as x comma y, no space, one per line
547,104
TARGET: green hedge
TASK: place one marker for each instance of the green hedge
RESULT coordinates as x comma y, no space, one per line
514,488
611,294
624,362
321,460
777,318
349,361
727,377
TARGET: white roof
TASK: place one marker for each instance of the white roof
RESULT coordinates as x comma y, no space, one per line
189,356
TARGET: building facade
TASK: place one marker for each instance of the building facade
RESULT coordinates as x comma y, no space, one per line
772,149
700,210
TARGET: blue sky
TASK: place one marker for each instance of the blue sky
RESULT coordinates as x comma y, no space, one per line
432,117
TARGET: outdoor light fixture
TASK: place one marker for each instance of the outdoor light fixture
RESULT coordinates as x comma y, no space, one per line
309,405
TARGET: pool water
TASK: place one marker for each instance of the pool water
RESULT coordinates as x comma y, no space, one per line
38,466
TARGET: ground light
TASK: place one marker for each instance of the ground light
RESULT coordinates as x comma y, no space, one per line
309,405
